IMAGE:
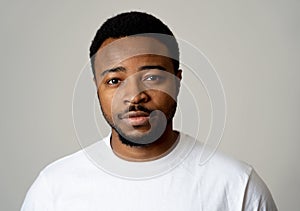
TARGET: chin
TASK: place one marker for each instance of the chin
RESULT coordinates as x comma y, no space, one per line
140,137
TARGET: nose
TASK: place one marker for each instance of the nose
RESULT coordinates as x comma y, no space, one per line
134,92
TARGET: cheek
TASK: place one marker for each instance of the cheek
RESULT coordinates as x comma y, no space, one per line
169,90
163,101
105,101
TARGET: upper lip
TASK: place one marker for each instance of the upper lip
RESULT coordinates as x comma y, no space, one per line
134,114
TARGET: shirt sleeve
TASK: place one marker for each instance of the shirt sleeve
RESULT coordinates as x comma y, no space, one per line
257,195
39,196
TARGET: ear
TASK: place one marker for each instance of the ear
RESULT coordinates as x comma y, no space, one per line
97,86
95,82
178,82
179,74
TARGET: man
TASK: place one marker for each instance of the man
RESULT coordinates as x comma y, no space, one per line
134,58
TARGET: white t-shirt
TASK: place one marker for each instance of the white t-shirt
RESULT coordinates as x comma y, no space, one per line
77,182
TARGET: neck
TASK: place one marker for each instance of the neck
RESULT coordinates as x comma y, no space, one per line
148,152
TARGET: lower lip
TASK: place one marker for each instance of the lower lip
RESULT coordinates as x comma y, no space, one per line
137,121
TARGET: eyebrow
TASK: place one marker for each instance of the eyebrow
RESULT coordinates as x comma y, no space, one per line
113,70
149,67
123,69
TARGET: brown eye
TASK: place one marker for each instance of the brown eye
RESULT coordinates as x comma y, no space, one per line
153,78
113,81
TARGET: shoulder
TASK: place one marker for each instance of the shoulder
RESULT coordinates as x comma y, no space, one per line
74,165
67,162
210,160
232,179
58,177
257,195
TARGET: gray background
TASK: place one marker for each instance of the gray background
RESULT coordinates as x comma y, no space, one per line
254,46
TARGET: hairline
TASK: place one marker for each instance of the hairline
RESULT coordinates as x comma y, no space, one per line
173,60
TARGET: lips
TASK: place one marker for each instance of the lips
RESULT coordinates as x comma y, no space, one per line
136,118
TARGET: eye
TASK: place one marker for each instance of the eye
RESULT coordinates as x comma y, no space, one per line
113,81
153,78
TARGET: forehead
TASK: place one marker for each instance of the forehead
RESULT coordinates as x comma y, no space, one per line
114,51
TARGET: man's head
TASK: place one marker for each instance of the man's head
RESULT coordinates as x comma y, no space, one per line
135,23
134,58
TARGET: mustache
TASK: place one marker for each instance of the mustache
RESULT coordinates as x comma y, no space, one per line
135,108
138,108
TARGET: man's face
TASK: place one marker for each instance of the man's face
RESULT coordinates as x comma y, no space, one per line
137,90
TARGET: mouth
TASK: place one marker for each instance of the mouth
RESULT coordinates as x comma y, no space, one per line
136,118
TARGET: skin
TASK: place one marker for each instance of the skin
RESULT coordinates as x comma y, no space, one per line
125,83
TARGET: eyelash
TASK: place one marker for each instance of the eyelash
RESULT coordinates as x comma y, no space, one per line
109,82
117,81
156,77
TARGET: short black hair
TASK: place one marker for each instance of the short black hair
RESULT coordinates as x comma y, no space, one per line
135,23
